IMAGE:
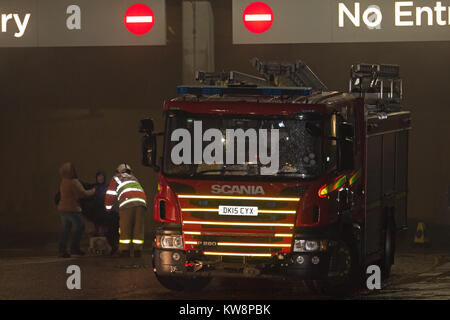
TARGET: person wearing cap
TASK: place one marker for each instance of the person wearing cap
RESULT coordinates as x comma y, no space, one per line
126,193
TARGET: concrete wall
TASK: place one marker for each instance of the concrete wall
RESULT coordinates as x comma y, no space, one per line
84,104
81,105
198,39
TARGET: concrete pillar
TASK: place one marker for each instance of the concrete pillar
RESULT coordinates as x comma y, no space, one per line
198,38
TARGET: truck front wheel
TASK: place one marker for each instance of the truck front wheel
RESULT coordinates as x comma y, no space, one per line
389,249
347,270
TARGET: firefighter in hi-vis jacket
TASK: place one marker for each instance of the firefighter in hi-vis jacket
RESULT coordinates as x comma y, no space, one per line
125,191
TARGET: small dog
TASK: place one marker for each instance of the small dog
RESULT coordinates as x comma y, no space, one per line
99,246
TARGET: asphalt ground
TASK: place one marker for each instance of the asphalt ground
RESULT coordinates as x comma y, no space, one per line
39,274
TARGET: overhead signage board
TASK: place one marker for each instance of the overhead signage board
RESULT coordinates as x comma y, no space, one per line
334,21
62,23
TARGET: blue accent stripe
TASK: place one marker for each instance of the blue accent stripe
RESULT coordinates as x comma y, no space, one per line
265,91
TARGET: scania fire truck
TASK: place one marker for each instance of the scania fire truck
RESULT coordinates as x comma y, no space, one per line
333,205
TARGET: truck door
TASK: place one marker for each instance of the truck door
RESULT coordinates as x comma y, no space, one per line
374,167
401,178
388,179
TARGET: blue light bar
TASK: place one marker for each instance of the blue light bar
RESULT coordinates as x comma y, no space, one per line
261,91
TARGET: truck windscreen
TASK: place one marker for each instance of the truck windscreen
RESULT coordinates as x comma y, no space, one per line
203,146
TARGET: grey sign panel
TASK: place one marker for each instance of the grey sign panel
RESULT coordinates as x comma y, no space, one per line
329,21
60,23
293,22
13,14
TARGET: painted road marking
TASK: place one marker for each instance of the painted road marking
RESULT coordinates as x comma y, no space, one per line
430,274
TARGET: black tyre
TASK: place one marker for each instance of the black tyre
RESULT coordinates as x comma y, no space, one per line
175,283
348,276
389,249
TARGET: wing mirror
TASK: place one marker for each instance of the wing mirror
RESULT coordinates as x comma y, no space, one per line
149,145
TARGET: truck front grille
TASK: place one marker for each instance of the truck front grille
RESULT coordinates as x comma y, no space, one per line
265,235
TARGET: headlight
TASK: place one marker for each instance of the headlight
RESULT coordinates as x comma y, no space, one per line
171,242
309,245
312,245
299,245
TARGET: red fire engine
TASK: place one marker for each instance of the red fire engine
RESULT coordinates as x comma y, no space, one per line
333,206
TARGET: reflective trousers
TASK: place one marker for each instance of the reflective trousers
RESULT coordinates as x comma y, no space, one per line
131,228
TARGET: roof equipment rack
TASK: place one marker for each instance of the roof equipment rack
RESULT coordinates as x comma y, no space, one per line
296,74
376,82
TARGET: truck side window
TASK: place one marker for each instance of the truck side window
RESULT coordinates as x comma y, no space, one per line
347,115
332,132
330,154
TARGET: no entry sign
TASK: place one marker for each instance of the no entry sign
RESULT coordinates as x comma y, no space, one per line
339,21
257,17
139,19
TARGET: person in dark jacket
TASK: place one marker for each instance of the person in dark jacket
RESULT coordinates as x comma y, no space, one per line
107,220
105,223
97,202
100,189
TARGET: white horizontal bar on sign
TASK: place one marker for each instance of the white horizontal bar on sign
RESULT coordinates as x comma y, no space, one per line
258,17
139,19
